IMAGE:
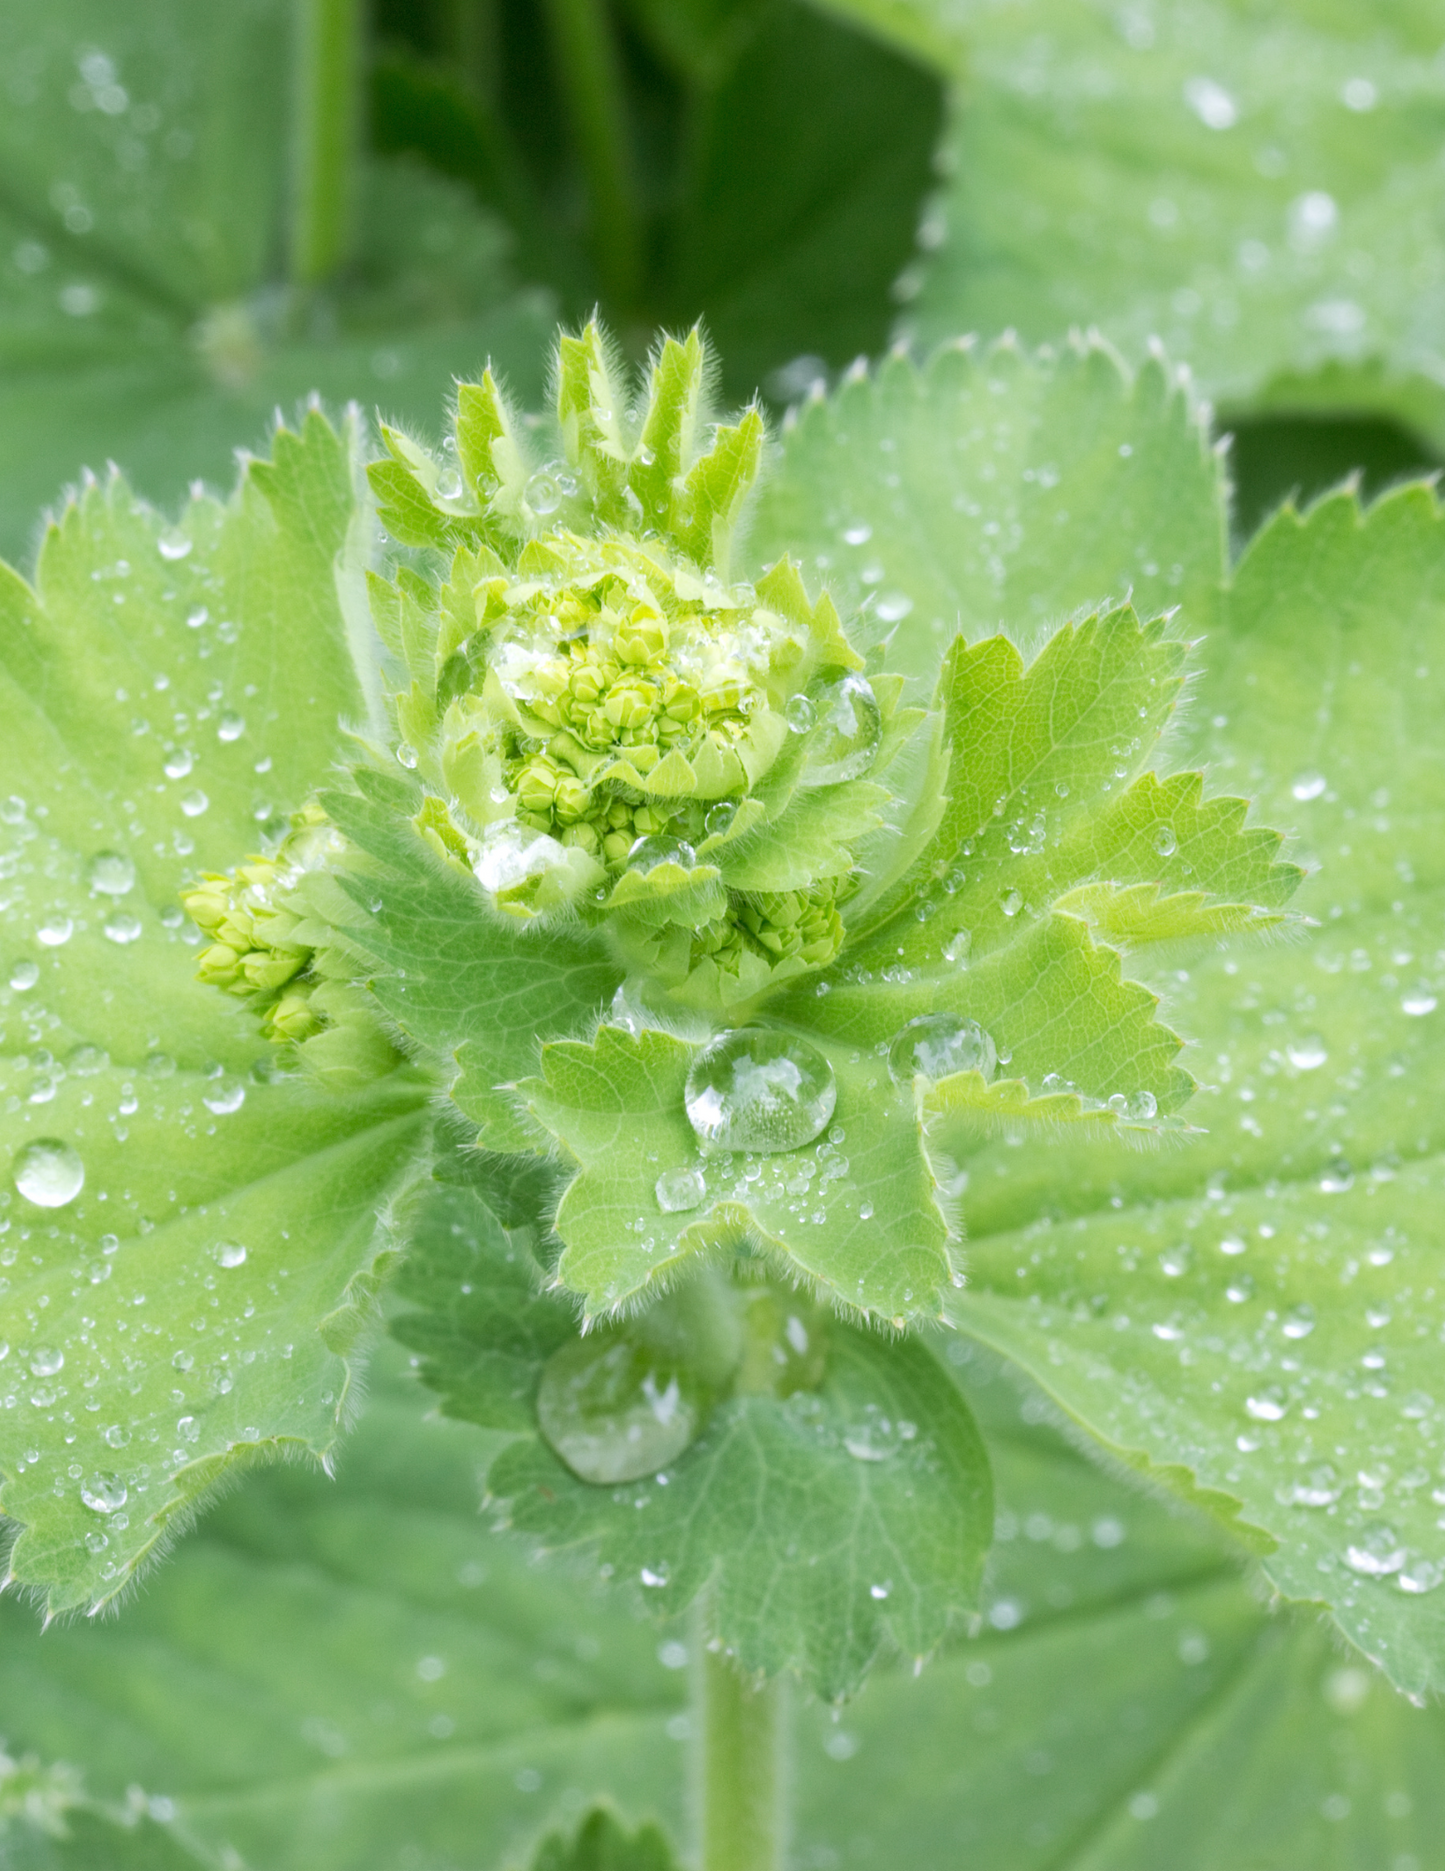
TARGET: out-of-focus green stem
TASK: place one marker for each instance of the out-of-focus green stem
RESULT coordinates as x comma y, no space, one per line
325,136
591,79
741,1778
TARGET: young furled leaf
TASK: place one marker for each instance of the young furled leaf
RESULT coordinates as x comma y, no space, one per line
602,1843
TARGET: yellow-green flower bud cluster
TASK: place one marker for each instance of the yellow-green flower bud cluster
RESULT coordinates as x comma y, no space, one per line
777,925
251,950
618,668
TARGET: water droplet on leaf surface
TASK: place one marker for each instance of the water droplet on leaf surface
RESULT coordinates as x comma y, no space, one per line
650,853
49,1173
229,1254
1309,786
173,544
678,1190
799,714
756,1090
1376,1551
103,1493
615,1410
939,1044
850,726
45,1362
111,874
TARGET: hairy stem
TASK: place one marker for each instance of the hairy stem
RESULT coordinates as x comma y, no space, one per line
326,135
591,79
741,1737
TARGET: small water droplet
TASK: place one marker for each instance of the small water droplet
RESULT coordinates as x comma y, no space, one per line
116,1437
449,485
24,975
104,1493
229,1254
876,1437
1299,1322
1239,1289
45,1362
1268,1406
799,714
939,1044
1166,841
858,534
1309,786
849,728
49,1173
757,1090
174,544
1420,1575
1419,1003
1376,1551
542,493
226,1096
1307,1054
122,928
230,727
55,931
110,874
881,1590
679,1190
865,1213
406,756
1176,1260
720,818
194,803
178,763
1011,902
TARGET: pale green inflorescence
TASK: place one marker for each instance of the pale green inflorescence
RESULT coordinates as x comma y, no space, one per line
607,724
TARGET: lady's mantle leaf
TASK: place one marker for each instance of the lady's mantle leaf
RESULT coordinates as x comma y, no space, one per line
1257,189
996,488
602,1843
188,1238
1266,1307
853,1214
471,988
828,1521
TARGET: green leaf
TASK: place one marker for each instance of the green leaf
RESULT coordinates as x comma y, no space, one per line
146,676
351,1670
616,1108
470,987
144,209
997,488
830,1520
603,1844
1258,1306
1119,1656
1252,190
1123,1681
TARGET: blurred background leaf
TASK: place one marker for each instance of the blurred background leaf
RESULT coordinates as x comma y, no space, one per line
356,1676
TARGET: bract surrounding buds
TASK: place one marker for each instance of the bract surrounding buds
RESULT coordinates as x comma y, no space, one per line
608,724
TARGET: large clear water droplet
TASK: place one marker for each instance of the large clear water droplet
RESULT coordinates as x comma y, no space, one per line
103,1493
542,494
49,1173
111,874
850,726
755,1090
616,1410
938,1045
45,1362
229,1254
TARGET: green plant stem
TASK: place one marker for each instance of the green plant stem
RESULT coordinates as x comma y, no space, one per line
741,1779
590,74
326,137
